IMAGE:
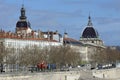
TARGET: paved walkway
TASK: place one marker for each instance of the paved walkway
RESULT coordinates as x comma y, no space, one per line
67,75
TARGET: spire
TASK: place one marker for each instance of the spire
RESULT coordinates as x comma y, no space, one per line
89,22
23,17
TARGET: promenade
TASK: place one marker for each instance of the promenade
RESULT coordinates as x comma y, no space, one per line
64,75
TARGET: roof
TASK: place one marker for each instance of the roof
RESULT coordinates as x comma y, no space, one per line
32,39
23,24
95,45
72,41
89,31
10,35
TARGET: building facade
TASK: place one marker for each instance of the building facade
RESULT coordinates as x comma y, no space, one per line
88,44
86,50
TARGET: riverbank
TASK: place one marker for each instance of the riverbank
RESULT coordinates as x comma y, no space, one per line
64,75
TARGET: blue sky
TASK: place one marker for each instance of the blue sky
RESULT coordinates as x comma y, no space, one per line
65,15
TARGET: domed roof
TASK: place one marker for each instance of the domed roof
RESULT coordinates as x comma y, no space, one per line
23,24
89,31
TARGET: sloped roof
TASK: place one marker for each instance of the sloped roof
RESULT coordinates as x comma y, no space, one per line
72,41
90,32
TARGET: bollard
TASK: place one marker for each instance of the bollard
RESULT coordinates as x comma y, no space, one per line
65,77
103,76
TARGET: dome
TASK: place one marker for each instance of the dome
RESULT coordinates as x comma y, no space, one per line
23,24
90,32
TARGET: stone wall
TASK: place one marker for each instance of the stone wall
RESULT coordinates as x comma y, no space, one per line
107,73
71,75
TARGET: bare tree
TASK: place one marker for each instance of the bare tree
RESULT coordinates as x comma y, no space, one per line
12,57
53,55
106,56
31,55
4,52
63,55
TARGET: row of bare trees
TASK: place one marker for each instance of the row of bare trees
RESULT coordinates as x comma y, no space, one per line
53,55
62,55
30,56
106,55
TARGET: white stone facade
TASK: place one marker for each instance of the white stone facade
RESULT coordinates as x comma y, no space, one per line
21,43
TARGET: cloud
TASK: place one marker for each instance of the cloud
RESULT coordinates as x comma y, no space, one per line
39,18
111,37
53,14
52,18
107,20
111,5
75,2
7,16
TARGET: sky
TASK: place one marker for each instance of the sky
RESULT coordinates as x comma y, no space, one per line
69,16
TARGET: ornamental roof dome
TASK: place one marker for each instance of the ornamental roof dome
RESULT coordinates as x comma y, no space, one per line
89,31
23,24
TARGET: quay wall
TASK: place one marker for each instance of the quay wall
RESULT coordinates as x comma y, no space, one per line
107,73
